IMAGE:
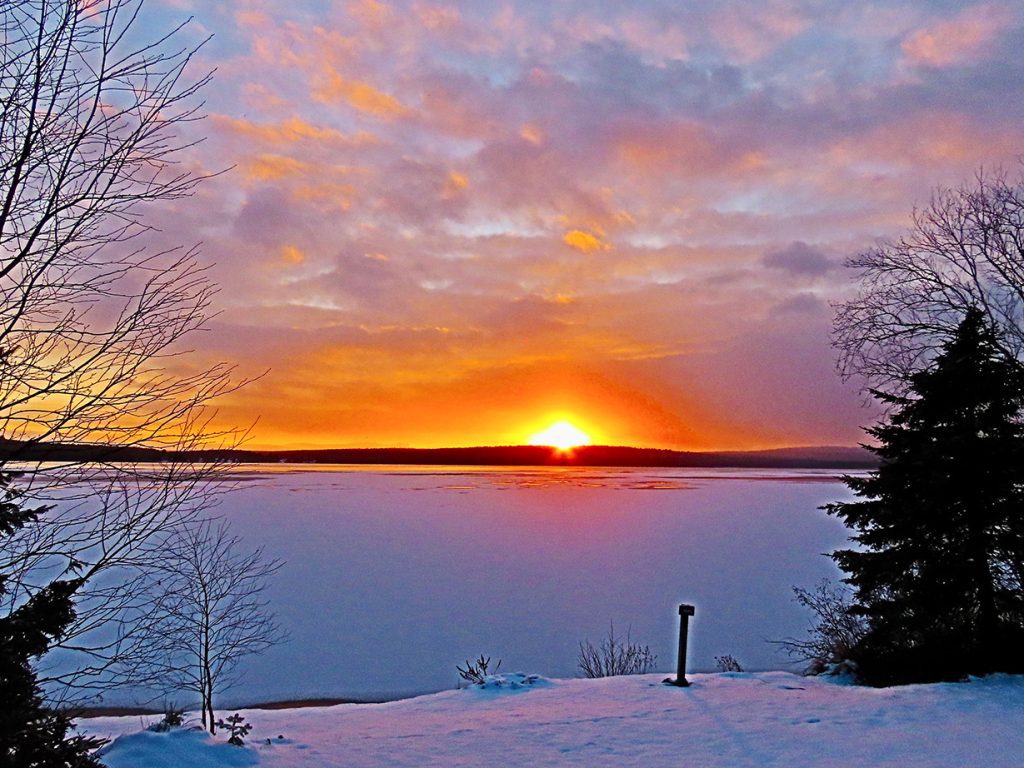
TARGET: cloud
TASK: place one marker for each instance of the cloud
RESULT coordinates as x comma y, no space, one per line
800,304
584,241
799,258
361,96
962,39
751,32
288,132
532,134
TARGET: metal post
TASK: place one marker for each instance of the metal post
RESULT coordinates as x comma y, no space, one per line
685,612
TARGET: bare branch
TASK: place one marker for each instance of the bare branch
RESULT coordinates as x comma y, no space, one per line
615,656
94,320
211,613
835,627
965,249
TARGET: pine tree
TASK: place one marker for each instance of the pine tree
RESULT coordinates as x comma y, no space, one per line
30,734
940,523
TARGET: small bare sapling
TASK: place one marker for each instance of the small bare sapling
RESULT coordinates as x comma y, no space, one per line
615,656
475,672
728,663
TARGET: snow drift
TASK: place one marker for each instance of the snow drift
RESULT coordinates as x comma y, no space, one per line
731,719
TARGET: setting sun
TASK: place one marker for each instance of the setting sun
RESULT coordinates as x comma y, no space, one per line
561,435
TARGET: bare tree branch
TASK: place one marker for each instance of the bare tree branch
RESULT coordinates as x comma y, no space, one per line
615,656
964,249
93,320
211,612
834,628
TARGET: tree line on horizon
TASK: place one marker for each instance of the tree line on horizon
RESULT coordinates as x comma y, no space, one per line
499,455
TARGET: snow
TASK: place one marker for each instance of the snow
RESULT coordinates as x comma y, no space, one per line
513,683
730,719
175,748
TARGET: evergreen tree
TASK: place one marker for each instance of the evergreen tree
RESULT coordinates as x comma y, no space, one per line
32,736
940,523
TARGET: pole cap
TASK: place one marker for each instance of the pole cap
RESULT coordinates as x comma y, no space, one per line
685,610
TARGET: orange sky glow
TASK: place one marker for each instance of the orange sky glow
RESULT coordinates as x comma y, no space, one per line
452,223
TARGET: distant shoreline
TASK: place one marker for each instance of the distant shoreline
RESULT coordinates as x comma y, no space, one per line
130,711
814,457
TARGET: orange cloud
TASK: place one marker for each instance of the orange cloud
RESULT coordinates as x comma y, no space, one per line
935,139
92,7
290,131
292,255
361,96
959,40
329,195
668,147
584,241
307,181
267,167
389,390
532,134
454,185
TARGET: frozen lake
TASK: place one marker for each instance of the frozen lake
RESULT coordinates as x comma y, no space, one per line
394,575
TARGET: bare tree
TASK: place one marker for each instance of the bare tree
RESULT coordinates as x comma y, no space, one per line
92,319
834,628
211,612
113,539
615,656
965,249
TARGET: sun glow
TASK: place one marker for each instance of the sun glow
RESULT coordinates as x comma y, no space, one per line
561,435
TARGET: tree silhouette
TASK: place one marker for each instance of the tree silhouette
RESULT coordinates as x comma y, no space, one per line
95,312
964,249
941,522
31,734
210,612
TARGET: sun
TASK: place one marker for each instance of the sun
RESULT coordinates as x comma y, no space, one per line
561,435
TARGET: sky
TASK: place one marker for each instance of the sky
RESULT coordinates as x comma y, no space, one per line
453,223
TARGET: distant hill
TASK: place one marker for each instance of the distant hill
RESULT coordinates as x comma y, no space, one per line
826,457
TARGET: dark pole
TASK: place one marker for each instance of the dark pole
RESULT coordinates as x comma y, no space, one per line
685,612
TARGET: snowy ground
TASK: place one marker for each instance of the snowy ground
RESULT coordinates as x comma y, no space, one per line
734,719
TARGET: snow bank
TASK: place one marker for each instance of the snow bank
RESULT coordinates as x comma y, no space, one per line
175,749
734,719
514,682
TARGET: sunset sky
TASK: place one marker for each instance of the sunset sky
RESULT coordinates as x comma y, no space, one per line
454,223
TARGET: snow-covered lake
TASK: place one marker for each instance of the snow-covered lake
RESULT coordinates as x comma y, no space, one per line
394,575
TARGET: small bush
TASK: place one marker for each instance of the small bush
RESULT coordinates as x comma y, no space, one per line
728,663
835,629
173,718
476,671
237,728
615,656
